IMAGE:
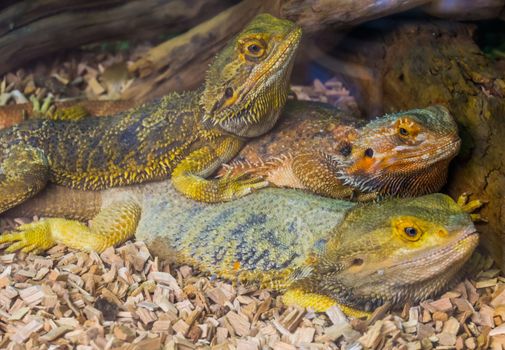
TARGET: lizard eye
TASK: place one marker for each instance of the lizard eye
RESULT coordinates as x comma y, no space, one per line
407,129
357,262
254,49
407,228
410,231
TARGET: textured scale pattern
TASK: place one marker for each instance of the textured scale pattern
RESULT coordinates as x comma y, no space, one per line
329,152
322,251
183,136
95,153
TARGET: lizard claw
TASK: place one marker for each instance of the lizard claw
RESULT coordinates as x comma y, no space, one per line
49,111
33,237
45,110
241,187
470,206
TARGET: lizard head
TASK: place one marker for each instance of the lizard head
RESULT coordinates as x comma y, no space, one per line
403,154
396,251
248,83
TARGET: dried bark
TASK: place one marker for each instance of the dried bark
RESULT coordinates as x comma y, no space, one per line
180,63
418,64
30,29
467,10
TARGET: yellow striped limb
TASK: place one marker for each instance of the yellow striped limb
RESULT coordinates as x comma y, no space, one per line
189,175
319,302
113,225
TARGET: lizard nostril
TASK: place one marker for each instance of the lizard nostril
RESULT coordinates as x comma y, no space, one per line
369,153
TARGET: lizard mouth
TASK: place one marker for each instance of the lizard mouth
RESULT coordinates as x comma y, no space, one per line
447,151
403,280
459,250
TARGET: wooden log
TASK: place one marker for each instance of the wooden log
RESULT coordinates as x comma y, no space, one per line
30,29
180,63
419,64
466,10
314,16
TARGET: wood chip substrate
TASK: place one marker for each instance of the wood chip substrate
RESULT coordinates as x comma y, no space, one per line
126,299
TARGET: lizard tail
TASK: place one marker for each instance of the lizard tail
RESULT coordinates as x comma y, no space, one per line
59,201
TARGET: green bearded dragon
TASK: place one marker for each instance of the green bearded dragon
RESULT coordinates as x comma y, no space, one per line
320,251
183,136
331,152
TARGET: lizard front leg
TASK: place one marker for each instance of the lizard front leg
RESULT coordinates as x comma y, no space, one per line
24,171
113,225
471,206
319,302
313,171
189,175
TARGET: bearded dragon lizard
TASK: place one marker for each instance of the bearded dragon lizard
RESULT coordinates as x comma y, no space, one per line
183,136
321,250
332,152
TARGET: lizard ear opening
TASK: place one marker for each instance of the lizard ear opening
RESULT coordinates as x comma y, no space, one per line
346,149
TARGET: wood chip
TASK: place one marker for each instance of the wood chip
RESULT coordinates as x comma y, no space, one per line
486,283
240,324
181,327
55,333
96,87
27,330
446,339
443,304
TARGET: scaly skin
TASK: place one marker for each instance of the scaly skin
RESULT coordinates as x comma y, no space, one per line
321,251
183,136
320,149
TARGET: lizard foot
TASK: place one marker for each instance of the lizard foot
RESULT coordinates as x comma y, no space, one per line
49,111
470,206
319,303
44,110
33,237
237,186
